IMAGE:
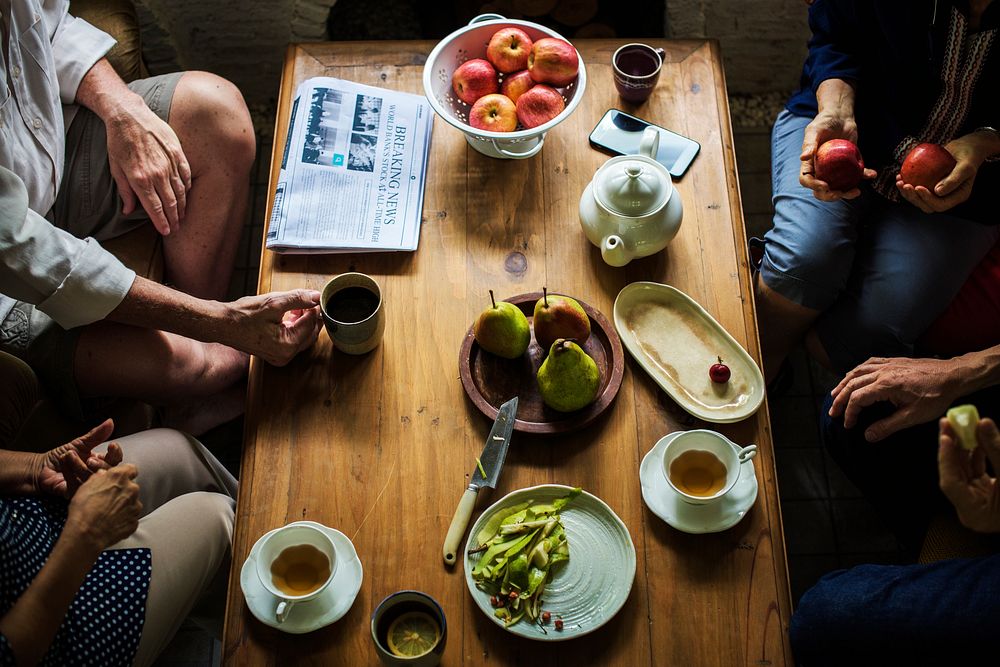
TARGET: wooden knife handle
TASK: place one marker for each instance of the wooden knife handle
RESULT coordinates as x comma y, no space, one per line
459,523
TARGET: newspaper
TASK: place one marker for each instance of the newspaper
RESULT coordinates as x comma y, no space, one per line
353,170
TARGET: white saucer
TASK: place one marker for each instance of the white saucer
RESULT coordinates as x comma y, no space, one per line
667,504
329,607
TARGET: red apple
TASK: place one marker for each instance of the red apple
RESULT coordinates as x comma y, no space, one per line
553,61
473,79
515,85
494,112
839,163
539,105
926,165
508,49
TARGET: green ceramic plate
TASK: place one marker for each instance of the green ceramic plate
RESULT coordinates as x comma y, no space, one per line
592,586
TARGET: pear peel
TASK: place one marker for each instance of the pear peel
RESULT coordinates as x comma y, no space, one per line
964,419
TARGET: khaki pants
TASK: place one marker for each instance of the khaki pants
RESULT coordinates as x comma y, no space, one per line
188,501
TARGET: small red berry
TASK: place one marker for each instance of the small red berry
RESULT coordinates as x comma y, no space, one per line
493,601
513,595
719,373
559,624
546,617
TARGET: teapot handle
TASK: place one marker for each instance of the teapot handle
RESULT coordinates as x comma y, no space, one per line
650,142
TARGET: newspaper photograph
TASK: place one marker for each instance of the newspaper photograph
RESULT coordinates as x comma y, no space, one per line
353,170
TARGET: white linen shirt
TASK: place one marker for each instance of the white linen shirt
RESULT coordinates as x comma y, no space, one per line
48,52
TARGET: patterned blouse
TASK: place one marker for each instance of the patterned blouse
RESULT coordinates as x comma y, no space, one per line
104,621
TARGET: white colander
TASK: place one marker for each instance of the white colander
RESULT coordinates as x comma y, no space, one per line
468,43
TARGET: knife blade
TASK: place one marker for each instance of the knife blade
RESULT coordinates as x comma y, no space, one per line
486,473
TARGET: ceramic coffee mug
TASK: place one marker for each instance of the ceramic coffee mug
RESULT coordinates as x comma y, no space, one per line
274,548
353,312
710,468
393,607
636,71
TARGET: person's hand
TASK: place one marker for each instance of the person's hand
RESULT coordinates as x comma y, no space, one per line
921,390
969,151
825,126
277,326
963,477
148,165
62,470
106,508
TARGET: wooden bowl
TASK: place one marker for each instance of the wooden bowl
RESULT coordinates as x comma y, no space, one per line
489,380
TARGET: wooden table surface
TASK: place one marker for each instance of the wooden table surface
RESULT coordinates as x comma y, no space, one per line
381,446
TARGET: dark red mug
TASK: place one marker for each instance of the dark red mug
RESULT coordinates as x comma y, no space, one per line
637,69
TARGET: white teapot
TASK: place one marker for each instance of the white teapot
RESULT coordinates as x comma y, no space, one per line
630,209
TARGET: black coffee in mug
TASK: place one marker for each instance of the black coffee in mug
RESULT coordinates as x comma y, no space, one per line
352,304
637,61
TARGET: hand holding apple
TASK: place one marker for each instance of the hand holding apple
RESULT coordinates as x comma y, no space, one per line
954,167
838,163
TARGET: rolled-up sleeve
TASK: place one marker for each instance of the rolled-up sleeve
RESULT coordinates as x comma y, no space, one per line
76,46
74,281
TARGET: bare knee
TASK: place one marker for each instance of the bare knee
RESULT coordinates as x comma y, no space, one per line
213,123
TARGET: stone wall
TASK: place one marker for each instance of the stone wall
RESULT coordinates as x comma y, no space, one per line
763,41
242,40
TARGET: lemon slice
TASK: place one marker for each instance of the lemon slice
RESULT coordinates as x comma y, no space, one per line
413,634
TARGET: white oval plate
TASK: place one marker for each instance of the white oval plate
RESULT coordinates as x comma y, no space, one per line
587,590
676,341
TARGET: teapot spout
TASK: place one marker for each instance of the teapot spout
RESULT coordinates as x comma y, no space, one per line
613,251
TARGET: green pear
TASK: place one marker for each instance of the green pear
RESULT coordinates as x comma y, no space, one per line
502,329
558,316
568,378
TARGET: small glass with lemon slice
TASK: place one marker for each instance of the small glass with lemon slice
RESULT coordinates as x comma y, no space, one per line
409,629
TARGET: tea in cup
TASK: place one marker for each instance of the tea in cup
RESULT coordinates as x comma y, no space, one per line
702,466
353,312
636,70
409,630
295,564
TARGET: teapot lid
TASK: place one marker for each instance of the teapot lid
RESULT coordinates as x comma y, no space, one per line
632,186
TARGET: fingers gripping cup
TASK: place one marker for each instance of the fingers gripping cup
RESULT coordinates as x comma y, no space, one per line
702,466
296,564
353,312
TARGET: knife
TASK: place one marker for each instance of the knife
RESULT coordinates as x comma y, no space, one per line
486,474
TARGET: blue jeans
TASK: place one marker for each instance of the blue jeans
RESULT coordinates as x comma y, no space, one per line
944,613
880,272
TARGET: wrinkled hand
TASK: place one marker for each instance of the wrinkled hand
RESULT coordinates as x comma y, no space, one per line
970,151
279,325
921,390
106,508
825,126
62,470
963,478
148,164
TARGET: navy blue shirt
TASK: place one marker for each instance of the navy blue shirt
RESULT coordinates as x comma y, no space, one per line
919,74
104,622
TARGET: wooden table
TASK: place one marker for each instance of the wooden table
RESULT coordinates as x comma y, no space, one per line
381,446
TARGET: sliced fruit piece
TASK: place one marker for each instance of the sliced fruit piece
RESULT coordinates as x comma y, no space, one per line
964,419
413,634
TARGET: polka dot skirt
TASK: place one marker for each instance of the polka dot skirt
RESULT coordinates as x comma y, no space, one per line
104,621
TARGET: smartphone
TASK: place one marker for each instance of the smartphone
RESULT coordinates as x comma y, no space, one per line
620,133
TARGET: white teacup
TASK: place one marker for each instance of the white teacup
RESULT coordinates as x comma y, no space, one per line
700,479
275,545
